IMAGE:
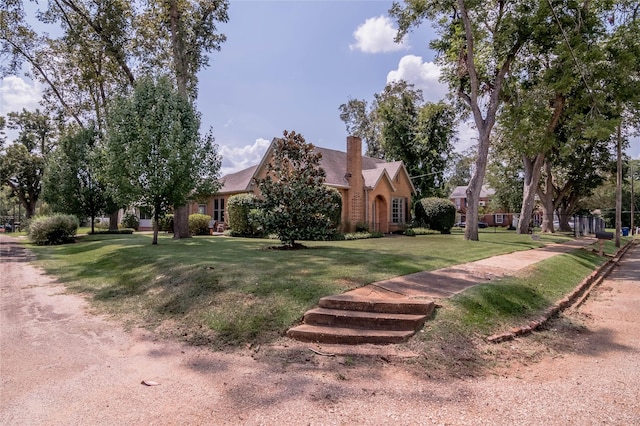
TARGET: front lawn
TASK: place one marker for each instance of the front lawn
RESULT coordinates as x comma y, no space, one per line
223,291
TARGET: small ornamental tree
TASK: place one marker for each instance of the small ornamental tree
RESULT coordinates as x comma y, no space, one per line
297,205
438,214
155,155
71,183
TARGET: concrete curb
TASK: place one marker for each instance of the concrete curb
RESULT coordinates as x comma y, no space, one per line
575,298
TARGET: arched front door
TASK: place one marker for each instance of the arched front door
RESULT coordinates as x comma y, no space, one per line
379,215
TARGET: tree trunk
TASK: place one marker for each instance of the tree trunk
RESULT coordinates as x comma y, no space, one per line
546,199
619,186
532,172
156,225
475,185
113,220
181,222
181,69
30,209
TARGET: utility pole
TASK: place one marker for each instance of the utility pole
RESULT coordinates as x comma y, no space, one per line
618,186
632,201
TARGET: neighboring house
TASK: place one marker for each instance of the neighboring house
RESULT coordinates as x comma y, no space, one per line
374,192
491,218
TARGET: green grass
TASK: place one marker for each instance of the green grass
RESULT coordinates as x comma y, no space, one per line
230,291
454,340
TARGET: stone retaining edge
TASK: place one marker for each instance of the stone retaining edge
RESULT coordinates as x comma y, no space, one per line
576,298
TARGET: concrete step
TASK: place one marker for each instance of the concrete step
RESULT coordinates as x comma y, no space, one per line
390,306
363,320
347,336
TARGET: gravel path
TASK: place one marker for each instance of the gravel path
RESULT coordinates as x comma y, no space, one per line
61,365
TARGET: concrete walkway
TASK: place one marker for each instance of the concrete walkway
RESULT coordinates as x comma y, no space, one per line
391,311
446,282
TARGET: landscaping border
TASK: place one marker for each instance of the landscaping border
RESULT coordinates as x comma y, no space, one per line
575,298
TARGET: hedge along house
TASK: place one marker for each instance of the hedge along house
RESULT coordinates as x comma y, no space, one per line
375,193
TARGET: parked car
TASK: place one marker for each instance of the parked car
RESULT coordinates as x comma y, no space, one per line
464,224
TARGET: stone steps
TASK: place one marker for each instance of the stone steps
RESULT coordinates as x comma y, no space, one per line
390,306
347,336
354,319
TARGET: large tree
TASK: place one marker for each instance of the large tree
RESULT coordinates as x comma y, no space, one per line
401,126
72,182
104,47
155,157
22,163
297,205
477,46
361,121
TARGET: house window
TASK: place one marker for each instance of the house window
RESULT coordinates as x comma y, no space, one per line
397,210
146,213
482,203
218,209
499,218
202,209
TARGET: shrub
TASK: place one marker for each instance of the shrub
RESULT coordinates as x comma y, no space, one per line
362,235
130,220
165,223
362,227
53,230
436,213
199,224
335,214
244,216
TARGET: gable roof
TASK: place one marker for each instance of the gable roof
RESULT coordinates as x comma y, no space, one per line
461,192
239,181
333,162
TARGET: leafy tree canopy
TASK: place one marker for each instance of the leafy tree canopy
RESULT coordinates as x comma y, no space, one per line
297,204
155,156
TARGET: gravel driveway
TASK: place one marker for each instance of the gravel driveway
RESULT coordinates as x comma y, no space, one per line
62,365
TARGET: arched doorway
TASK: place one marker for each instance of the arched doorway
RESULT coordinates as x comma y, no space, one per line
379,215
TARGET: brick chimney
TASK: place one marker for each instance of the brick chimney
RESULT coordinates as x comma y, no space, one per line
356,181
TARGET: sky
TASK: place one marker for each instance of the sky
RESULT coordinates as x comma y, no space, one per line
289,65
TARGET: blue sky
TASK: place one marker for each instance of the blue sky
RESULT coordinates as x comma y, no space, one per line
289,65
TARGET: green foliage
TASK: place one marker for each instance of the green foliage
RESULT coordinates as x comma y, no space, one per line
297,204
436,213
22,164
335,214
154,154
53,230
199,224
71,183
165,223
242,216
361,235
401,126
131,221
421,231
362,227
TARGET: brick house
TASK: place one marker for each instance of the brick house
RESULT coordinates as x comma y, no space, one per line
491,218
374,192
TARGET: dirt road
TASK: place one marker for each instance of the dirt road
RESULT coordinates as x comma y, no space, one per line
61,365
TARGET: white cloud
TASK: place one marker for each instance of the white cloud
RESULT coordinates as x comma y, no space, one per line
377,35
467,135
235,159
423,75
16,94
